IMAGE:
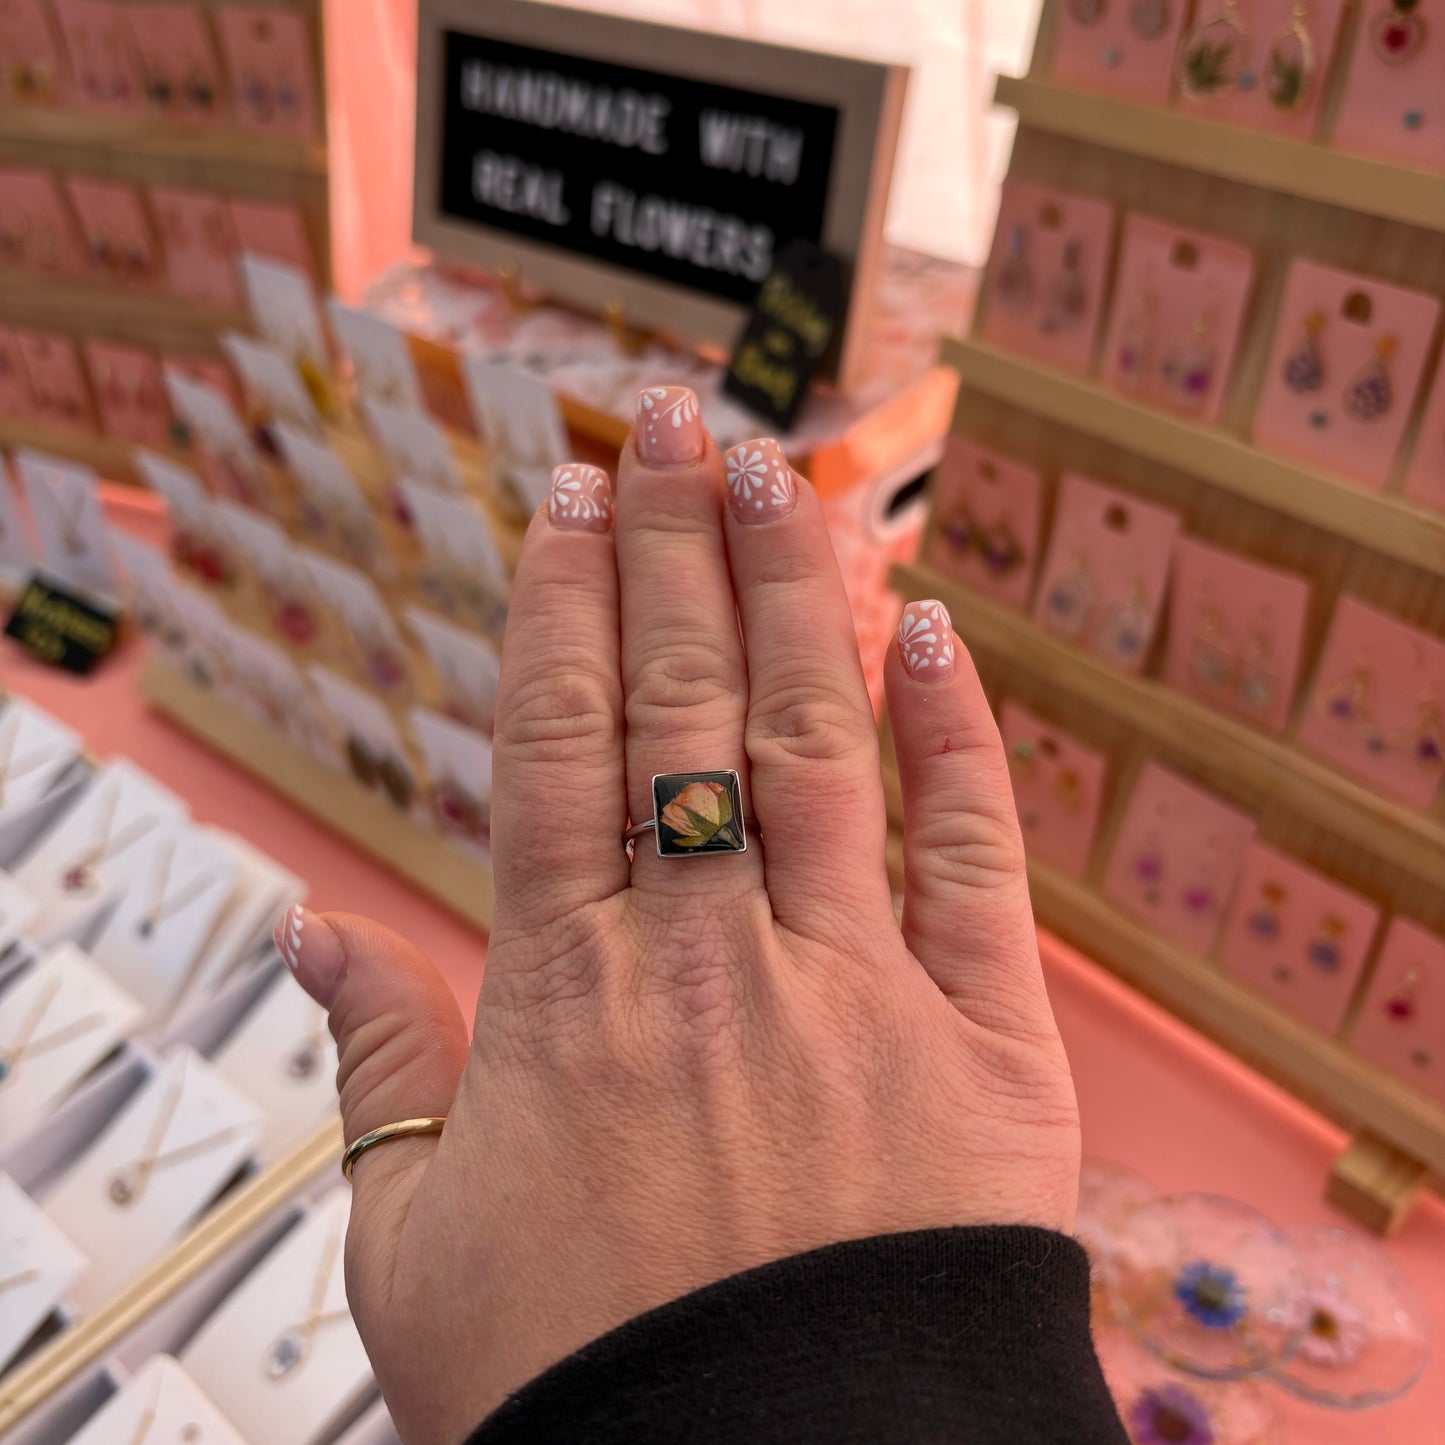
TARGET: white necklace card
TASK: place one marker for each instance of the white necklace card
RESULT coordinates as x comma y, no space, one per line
159,925
167,1154
283,1057
456,531
37,1265
271,382
281,1356
57,1023
35,750
521,423
467,667
18,911
283,306
416,446
70,523
90,855
159,1405
381,361
459,772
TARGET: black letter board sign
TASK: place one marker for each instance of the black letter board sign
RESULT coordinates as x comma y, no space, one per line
612,160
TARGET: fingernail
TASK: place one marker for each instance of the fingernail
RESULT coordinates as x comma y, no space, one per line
312,952
925,641
581,498
669,426
760,482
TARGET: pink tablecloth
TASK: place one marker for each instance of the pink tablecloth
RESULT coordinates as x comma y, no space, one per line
1154,1094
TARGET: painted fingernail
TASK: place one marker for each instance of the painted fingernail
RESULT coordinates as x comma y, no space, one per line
581,498
669,426
925,641
760,482
312,952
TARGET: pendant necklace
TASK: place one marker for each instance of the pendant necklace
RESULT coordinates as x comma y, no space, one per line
71,536
188,1434
79,876
305,1059
160,908
292,1347
13,767
27,1046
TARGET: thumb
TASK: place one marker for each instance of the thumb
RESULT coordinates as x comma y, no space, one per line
400,1040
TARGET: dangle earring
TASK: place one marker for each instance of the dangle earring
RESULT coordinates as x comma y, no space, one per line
1265,922
999,549
1068,299
1257,675
1428,747
1123,634
1199,896
1213,55
1404,998
958,528
1139,338
1014,284
1371,393
1290,62
1348,701
1323,950
1397,34
1149,19
1149,869
1070,602
1189,366
1210,659
1304,367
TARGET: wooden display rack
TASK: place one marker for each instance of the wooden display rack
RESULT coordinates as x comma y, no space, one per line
146,153
1283,199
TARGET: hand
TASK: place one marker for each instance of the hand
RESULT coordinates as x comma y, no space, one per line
684,1068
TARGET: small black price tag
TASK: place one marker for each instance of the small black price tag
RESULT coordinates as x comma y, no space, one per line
792,325
61,629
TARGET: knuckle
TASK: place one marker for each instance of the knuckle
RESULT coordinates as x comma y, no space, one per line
966,849
558,717
679,675
807,720
373,1054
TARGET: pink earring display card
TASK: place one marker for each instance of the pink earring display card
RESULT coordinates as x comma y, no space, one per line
989,511
1425,475
1299,938
1044,293
1236,633
1124,50
1344,370
1391,105
32,65
1177,857
1401,1022
1179,304
274,232
1058,789
179,65
57,380
1377,707
117,233
16,399
104,68
129,392
272,71
200,246
37,229
1284,60
1104,580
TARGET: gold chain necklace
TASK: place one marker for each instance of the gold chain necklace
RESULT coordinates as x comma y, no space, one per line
79,876
24,1277
189,1433
160,909
27,1046
291,1349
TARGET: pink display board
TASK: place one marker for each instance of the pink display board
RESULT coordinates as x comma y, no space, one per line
1391,106
1344,371
1425,475
1298,937
1236,633
1401,1023
1121,50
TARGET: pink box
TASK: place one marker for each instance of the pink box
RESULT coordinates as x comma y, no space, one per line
1125,50
1378,701
16,398
129,392
1274,90
1058,789
1103,584
37,228
989,511
118,235
1299,937
277,233
1425,475
105,70
1236,633
1344,370
1176,857
180,69
200,246
272,72
1179,310
1401,1023
57,380
1047,273
32,63
1391,103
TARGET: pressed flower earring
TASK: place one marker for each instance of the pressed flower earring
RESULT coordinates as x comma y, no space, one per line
1397,34
1264,921
1323,949
1189,366
1290,62
1371,393
1149,869
1304,367
1139,338
999,549
958,528
1124,631
1428,748
1068,298
1210,659
1257,673
1070,603
1213,55
1403,1001
1015,281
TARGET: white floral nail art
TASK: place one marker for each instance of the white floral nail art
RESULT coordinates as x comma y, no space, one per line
669,426
581,499
760,481
288,936
925,640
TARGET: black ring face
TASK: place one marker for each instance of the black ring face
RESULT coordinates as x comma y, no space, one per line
698,813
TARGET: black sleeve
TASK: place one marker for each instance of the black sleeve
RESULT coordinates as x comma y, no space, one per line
966,1336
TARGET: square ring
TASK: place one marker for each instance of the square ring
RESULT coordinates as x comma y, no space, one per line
698,813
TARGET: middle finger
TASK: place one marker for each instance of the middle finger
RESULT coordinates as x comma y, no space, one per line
684,676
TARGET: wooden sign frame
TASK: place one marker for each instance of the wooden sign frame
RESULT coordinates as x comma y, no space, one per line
867,96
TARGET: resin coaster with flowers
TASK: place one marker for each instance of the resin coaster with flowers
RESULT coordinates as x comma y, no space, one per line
1109,1194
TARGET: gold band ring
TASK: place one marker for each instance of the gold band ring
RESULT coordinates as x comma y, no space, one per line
404,1129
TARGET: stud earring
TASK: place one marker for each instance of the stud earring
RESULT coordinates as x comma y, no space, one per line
1086,12
1213,55
1370,393
1015,281
1123,633
1139,338
1070,603
1264,921
1189,366
1304,367
1397,34
1403,1001
1149,869
1068,298
1210,659
1290,62
1323,949
999,549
